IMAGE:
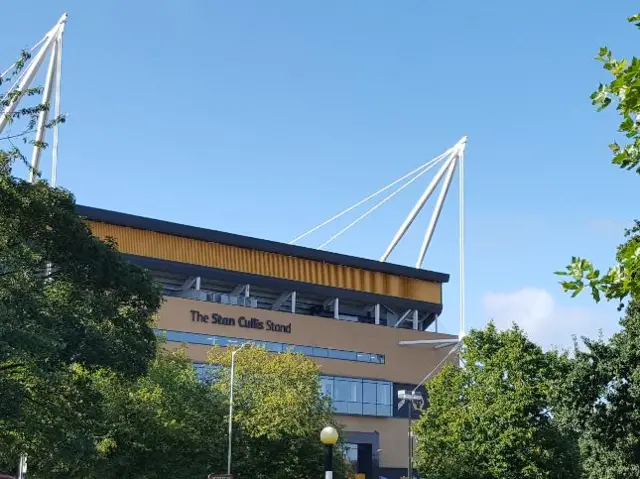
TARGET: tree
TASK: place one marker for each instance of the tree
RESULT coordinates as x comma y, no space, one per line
167,424
492,418
623,279
90,308
163,424
601,400
278,414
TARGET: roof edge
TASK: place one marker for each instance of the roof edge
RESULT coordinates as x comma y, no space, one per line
214,236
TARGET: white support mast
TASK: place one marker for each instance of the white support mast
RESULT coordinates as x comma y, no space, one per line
50,45
452,160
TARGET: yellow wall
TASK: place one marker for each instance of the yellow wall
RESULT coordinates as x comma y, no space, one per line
175,248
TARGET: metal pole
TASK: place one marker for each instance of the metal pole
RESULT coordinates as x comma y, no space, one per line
43,116
233,362
54,152
461,234
22,467
410,465
328,461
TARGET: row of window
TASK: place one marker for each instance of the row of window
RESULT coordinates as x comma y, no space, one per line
361,397
312,351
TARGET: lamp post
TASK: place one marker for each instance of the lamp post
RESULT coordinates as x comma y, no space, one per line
409,398
329,437
233,363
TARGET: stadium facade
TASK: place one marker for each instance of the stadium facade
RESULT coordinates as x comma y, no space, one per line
363,322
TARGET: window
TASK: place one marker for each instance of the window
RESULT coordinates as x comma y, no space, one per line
358,396
205,339
351,453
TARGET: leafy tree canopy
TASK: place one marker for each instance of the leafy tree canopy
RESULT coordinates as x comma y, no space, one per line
491,419
91,308
278,414
623,91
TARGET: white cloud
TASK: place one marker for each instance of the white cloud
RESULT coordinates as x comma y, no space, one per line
545,321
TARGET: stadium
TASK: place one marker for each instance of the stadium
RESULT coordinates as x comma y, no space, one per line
362,321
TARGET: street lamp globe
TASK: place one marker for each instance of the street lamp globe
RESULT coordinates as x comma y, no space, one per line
329,436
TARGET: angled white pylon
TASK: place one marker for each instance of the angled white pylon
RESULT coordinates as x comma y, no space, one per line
450,161
50,45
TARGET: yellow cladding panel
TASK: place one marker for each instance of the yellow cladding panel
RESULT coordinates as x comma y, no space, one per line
185,250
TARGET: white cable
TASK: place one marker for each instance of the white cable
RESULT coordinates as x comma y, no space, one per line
428,163
30,51
372,209
426,378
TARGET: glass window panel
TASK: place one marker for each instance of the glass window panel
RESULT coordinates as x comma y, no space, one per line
342,390
193,338
221,341
340,406
326,386
306,350
235,342
173,336
348,390
364,357
354,408
384,393
377,358
273,347
383,411
346,355
369,409
351,452
320,352
369,392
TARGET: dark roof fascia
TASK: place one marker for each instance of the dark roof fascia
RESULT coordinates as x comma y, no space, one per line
193,232
174,267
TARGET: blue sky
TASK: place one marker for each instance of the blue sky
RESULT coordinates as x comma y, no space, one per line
265,118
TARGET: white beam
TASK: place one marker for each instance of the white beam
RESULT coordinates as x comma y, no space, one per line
418,206
238,290
376,313
415,319
43,116
56,112
189,282
281,300
402,318
436,211
293,301
429,342
31,72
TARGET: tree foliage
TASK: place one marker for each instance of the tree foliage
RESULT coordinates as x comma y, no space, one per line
623,279
171,423
163,424
68,301
90,308
491,419
278,414
601,399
